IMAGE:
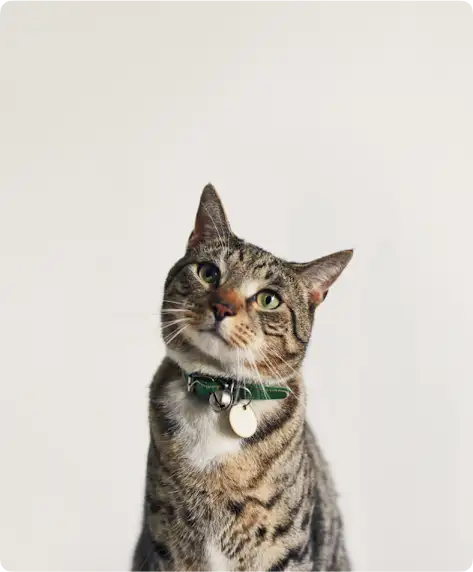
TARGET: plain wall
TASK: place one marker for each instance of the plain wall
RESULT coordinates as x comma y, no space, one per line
323,126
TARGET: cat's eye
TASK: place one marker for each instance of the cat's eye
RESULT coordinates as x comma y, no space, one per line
268,300
208,273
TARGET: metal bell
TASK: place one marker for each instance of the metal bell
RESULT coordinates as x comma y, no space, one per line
220,400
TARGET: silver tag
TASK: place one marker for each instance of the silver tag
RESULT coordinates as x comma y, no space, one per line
220,400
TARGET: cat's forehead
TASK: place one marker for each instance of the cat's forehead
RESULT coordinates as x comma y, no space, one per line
248,260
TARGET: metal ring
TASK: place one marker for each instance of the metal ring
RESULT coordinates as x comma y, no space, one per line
192,379
250,399
191,385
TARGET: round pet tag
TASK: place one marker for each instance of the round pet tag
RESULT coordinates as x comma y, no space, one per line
243,420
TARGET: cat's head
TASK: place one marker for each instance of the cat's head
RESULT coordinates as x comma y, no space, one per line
230,306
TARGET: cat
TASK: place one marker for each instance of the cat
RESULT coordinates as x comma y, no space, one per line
236,481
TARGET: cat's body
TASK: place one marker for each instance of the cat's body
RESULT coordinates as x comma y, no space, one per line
215,501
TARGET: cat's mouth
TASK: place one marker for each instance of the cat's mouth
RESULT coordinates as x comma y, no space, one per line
215,332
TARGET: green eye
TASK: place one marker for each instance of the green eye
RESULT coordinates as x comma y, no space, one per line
267,300
208,273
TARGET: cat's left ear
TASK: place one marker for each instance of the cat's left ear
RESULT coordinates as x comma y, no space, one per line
211,222
322,273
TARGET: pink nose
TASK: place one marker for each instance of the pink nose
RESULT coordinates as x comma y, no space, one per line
222,310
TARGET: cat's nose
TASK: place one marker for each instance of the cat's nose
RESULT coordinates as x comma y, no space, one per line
222,309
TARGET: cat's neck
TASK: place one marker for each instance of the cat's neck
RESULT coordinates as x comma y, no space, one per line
203,436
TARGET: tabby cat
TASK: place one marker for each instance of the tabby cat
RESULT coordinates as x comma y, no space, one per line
235,478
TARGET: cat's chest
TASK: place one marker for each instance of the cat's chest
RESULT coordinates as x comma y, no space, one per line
204,435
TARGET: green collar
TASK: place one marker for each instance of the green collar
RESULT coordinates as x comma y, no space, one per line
205,385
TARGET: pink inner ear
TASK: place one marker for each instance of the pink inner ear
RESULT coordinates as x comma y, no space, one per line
316,296
192,239
196,234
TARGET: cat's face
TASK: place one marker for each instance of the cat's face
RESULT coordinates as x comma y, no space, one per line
239,306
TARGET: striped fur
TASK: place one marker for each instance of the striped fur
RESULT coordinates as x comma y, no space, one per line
214,501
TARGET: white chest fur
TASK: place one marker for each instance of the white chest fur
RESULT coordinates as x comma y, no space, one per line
206,435
218,562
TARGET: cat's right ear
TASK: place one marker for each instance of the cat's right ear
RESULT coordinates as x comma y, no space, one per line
211,222
322,273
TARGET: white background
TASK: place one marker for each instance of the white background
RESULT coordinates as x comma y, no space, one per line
324,127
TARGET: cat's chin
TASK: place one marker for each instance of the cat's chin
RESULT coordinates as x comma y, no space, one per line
213,356
213,343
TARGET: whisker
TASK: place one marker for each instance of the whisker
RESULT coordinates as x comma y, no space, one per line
270,364
173,310
174,302
240,377
286,386
272,367
274,370
260,381
238,363
168,324
275,353
174,335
